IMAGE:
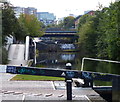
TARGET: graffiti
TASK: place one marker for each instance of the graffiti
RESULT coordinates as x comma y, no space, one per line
11,69
31,71
70,74
26,71
93,75
42,72
86,75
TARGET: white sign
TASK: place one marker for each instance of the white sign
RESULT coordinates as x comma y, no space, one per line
3,68
63,74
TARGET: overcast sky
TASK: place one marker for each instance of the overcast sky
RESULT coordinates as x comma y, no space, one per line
62,8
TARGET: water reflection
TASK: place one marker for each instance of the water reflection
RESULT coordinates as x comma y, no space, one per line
67,46
103,67
67,57
57,59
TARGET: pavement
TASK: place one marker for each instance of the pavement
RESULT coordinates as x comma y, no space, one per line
25,91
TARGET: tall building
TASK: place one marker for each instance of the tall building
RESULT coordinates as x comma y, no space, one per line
46,17
18,11
90,12
77,19
30,10
22,10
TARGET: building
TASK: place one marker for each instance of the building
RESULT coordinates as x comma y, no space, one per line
90,12
30,11
46,17
77,21
22,10
18,11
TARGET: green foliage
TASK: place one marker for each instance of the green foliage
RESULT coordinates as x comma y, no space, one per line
21,32
87,35
109,36
10,24
0,28
100,34
32,25
61,24
8,21
26,25
3,55
69,22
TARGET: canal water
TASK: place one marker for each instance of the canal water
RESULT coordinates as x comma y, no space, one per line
59,59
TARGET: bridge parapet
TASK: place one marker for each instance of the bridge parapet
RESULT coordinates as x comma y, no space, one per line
60,34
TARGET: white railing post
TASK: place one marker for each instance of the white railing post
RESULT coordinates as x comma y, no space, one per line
27,48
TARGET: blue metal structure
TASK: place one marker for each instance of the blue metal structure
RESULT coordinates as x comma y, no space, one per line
60,34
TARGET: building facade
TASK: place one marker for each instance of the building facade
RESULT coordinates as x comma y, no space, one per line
77,21
30,11
18,11
46,17
22,10
89,12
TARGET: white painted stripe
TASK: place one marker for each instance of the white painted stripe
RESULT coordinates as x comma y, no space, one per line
87,98
53,85
23,98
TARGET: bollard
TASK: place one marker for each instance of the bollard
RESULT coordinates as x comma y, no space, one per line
116,89
68,81
68,66
69,89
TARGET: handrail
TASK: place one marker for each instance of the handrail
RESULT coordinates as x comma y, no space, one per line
101,60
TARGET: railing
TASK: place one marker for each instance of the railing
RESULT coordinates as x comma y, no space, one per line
93,59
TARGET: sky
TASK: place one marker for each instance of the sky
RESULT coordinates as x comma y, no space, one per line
62,8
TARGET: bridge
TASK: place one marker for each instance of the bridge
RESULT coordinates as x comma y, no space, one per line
60,34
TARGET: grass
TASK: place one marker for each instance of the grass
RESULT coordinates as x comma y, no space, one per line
36,78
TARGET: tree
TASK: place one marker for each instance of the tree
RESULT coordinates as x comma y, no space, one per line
8,21
69,22
109,36
88,35
21,32
32,25
100,34
8,25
